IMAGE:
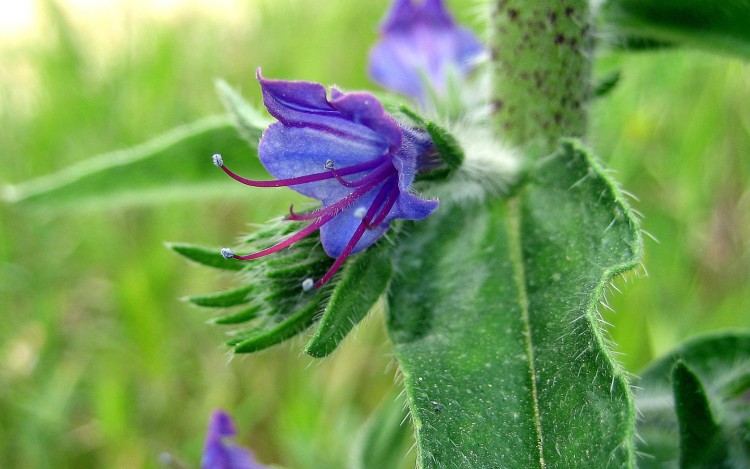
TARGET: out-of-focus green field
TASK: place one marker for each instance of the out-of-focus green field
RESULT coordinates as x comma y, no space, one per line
101,365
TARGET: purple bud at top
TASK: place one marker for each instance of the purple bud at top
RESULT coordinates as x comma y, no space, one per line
420,44
218,453
346,152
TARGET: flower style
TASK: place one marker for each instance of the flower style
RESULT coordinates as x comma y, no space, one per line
219,454
420,44
348,153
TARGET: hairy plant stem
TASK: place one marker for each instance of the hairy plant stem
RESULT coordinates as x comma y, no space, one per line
541,65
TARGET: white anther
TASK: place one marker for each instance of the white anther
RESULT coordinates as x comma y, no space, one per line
307,284
217,159
227,253
329,164
360,212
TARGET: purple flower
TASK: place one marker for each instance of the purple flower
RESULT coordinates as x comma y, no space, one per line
420,45
220,454
345,151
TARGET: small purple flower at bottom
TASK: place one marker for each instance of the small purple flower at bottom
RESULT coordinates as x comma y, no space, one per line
420,44
348,153
221,454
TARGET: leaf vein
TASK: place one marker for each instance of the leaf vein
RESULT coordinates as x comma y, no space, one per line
516,255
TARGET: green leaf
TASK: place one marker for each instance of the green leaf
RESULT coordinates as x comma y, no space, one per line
720,26
721,362
494,317
174,166
606,84
639,44
363,280
385,439
249,121
206,256
701,441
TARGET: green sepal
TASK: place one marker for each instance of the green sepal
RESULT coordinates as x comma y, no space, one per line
244,315
276,306
448,149
273,305
223,299
282,307
206,256
249,121
701,443
271,332
362,281
299,269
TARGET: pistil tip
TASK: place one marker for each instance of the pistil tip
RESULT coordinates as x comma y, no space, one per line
307,284
217,159
227,253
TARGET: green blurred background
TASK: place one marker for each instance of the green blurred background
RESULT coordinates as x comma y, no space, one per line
101,365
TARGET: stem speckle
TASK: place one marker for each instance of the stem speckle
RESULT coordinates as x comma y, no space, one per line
541,70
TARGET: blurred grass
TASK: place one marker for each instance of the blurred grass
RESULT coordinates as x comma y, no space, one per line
677,133
102,366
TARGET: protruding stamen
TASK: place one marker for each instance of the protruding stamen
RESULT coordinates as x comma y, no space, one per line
358,233
294,216
378,174
343,203
381,171
315,177
387,206
306,231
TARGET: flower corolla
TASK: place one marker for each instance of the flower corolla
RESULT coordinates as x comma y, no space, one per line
420,46
345,151
218,453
